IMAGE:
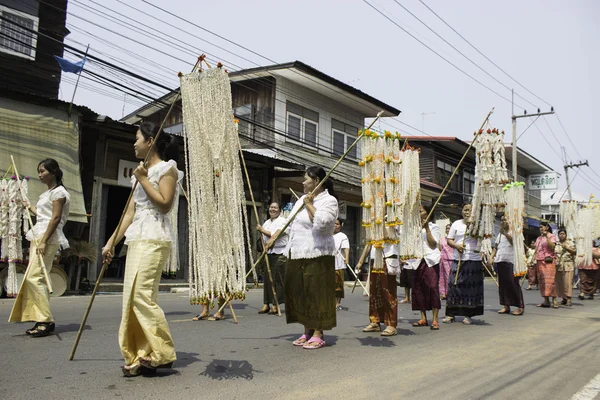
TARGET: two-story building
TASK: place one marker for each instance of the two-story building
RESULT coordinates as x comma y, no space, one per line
293,116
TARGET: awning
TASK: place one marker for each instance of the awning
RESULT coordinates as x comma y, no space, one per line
31,133
535,223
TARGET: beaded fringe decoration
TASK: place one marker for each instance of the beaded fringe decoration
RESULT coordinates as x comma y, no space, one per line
13,223
216,210
513,212
586,232
490,177
391,195
568,217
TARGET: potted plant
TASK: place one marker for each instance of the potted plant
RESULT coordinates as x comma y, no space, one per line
82,251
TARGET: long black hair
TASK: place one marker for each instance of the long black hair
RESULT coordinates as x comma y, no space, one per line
547,225
51,165
166,146
318,172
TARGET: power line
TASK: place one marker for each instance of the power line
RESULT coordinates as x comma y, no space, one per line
486,57
461,53
439,55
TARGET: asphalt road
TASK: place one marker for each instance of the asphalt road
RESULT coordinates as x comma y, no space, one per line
544,354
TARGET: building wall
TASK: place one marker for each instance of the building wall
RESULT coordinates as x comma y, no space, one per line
42,75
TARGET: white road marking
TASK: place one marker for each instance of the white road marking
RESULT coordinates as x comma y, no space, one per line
589,391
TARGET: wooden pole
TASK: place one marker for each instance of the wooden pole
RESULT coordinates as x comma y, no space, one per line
291,218
489,272
258,221
459,164
35,239
457,270
105,264
361,260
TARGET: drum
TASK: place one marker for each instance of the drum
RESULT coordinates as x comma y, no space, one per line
59,280
57,276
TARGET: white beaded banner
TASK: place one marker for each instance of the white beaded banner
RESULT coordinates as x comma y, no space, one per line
514,214
217,256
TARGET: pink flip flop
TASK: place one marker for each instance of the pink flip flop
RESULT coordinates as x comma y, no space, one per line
318,343
301,341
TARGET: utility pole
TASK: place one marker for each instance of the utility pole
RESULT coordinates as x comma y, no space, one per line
514,133
572,165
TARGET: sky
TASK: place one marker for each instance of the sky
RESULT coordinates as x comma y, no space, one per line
548,46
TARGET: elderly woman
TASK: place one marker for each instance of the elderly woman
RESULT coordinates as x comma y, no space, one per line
310,270
465,298
545,258
565,267
277,260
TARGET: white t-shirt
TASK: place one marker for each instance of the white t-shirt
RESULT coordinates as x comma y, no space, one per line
44,215
273,226
392,264
341,243
431,256
457,233
505,251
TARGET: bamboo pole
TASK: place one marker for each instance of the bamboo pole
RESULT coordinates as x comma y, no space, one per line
490,272
457,270
459,164
361,260
35,239
105,264
258,221
291,218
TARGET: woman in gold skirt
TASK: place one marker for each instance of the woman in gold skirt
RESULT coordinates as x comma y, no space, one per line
144,335
33,300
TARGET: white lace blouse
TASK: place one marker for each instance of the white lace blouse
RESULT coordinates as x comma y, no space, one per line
313,239
148,222
44,214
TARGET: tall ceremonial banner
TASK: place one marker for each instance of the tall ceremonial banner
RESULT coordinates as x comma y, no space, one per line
588,229
390,191
217,258
513,212
490,177
13,217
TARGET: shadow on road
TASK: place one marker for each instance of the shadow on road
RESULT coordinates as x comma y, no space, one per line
376,342
178,313
70,328
229,369
184,359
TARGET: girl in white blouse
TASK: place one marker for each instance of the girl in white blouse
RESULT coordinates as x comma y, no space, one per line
144,335
33,300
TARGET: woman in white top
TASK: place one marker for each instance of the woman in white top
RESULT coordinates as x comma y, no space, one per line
503,258
276,258
33,300
426,289
144,335
342,258
466,297
310,269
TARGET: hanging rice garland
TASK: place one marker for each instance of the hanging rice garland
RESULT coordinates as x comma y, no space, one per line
411,245
380,178
513,213
13,224
568,217
216,194
442,223
586,232
490,177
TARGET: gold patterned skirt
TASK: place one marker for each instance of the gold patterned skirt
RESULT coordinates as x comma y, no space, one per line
33,301
144,331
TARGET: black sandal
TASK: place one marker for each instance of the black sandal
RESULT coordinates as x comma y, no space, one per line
148,364
43,329
30,331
